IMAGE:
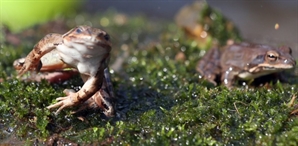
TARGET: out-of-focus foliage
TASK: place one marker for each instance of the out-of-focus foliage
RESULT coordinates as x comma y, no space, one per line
18,14
204,23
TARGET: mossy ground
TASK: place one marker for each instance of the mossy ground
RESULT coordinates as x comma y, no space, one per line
161,100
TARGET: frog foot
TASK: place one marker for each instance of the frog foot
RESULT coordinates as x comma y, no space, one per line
25,65
89,104
100,100
64,102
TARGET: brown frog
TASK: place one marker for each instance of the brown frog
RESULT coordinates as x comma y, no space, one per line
244,61
85,49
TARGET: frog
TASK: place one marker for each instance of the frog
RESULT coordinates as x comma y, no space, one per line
86,50
244,62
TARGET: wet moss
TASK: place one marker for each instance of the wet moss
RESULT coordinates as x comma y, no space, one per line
161,99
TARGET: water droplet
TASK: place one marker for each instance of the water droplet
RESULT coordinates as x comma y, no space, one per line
183,48
159,73
203,34
276,26
168,48
79,19
125,36
144,53
213,16
175,39
167,58
104,22
165,69
132,79
134,59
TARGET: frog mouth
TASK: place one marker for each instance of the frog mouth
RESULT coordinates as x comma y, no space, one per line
276,67
270,67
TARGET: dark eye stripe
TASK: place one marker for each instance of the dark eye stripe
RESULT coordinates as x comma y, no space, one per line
107,37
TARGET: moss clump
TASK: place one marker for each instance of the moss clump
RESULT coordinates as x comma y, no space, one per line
218,26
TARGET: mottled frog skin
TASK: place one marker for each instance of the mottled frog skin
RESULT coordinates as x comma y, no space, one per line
244,61
84,48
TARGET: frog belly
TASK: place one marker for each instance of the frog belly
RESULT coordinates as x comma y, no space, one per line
248,76
85,63
69,55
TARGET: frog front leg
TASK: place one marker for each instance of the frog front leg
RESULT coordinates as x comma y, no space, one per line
228,77
45,45
91,86
104,99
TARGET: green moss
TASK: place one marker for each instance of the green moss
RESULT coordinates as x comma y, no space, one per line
161,100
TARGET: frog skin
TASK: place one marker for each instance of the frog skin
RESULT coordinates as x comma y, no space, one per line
85,49
52,69
244,61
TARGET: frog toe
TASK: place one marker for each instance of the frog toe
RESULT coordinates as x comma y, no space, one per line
59,104
60,109
63,102
68,91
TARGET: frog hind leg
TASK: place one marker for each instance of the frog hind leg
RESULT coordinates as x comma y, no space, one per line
45,45
53,71
52,62
209,66
105,98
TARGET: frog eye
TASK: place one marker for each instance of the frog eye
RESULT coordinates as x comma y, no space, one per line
107,37
78,30
272,56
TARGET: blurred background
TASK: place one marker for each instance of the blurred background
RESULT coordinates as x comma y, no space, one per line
257,20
